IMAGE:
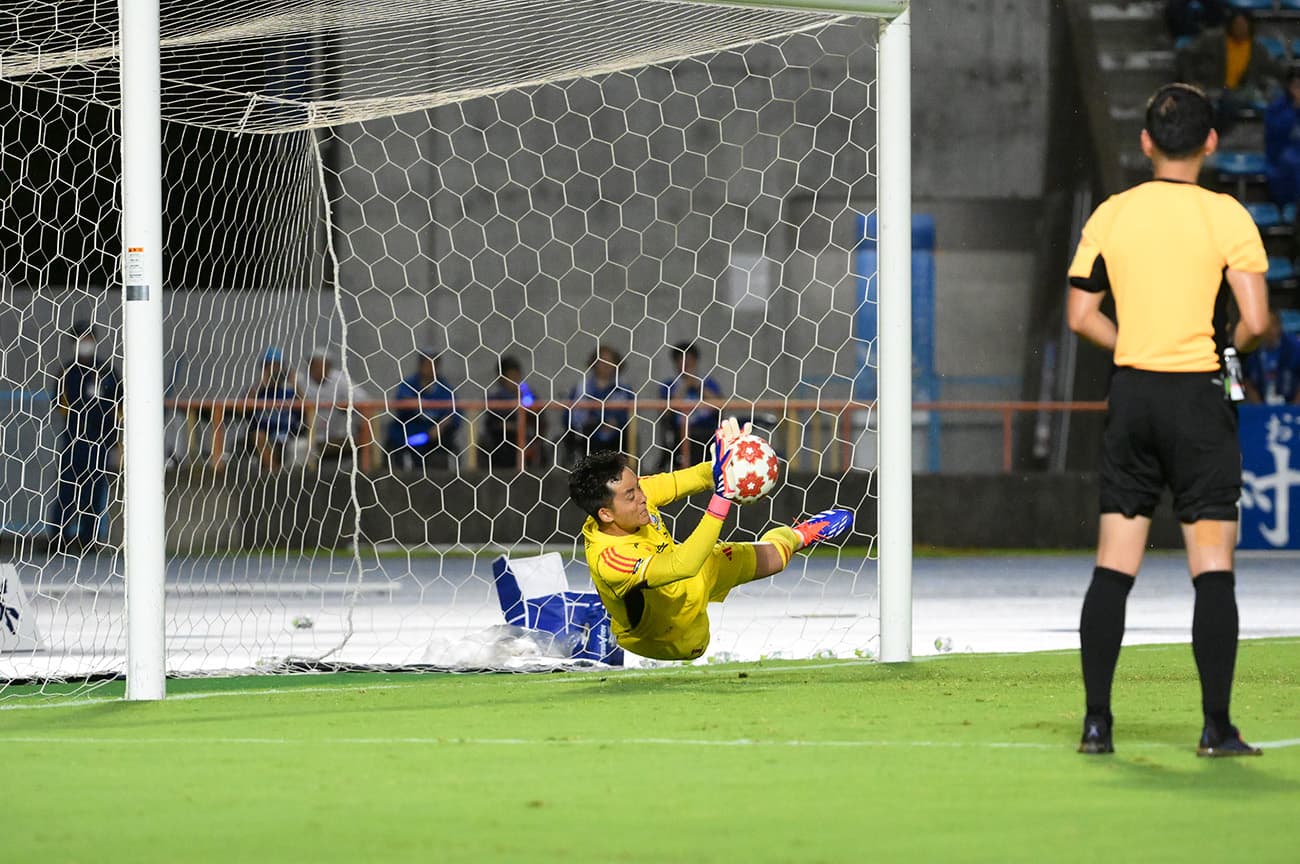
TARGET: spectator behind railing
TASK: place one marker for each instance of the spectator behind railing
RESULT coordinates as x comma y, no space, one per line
327,392
687,386
501,426
1282,142
89,396
423,436
1234,69
1273,369
589,428
274,426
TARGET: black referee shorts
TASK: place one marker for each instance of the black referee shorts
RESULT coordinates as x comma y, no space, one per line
1170,429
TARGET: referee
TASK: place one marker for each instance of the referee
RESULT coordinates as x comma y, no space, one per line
1164,250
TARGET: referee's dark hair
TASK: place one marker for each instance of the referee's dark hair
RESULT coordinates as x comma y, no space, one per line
1179,119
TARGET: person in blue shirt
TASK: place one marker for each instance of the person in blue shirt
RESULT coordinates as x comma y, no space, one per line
690,387
89,396
274,425
500,437
1273,369
592,428
423,436
1282,142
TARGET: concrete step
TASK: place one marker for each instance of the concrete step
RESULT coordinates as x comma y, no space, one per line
1130,26
1109,11
1150,60
1133,87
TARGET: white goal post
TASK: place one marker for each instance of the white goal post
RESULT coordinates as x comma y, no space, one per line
270,36
142,410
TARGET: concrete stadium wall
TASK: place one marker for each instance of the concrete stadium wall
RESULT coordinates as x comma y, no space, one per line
211,513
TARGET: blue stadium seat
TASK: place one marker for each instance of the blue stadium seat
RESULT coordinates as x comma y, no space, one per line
1238,163
1290,317
1238,167
1280,269
1254,5
1288,211
1266,215
1295,46
1274,46
1290,5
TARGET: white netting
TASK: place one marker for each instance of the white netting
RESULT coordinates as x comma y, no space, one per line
266,66
457,181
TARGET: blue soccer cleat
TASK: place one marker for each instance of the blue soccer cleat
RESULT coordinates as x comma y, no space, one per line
826,525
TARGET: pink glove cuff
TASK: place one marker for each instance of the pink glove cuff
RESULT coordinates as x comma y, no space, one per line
719,507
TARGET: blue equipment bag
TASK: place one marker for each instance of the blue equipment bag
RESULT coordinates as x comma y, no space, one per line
533,594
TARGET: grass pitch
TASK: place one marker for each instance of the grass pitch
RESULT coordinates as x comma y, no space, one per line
956,759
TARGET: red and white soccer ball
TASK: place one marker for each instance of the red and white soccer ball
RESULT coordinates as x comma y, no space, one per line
754,469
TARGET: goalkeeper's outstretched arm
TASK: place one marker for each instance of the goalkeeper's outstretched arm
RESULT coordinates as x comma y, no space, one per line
688,558
661,489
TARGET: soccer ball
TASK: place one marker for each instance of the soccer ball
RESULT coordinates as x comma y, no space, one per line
754,469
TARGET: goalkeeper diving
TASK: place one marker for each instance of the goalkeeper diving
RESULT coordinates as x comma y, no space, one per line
657,591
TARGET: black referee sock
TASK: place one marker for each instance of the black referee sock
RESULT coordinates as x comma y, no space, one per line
1214,642
1101,630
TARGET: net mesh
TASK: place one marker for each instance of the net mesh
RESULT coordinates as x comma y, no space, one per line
435,187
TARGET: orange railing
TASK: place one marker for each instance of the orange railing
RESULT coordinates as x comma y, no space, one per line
1007,412
807,427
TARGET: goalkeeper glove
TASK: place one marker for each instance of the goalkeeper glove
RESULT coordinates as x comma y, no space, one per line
729,432
724,445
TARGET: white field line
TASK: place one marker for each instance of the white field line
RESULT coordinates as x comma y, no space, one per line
588,742
551,678
572,677
514,742
834,664
57,702
416,680
1274,745
615,672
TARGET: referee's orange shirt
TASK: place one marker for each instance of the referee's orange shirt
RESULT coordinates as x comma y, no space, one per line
1161,248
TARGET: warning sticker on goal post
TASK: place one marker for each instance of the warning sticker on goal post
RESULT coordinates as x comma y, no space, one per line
136,281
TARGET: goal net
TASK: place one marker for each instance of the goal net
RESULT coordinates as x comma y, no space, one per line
378,216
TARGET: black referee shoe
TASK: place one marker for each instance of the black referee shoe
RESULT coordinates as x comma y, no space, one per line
1214,744
1096,735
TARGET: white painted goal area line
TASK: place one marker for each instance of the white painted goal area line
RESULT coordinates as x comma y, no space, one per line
589,742
416,680
571,677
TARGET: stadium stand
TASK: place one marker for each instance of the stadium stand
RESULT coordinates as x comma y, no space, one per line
1129,39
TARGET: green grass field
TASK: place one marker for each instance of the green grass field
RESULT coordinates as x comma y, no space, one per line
955,759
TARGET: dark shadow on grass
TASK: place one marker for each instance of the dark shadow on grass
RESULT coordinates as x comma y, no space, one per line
1177,768
1184,772
75,716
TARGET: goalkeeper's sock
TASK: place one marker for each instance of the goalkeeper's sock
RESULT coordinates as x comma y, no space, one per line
786,541
1101,630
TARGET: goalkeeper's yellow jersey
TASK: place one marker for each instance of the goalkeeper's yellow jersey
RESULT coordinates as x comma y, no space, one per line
674,624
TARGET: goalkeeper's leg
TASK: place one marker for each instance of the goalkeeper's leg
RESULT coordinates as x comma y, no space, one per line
775,548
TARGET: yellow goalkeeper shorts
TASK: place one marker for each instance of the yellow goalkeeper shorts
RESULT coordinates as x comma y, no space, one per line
731,564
